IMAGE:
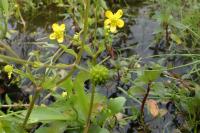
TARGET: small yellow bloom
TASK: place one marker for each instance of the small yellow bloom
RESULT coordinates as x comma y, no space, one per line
9,69
113,20
64,94
58,32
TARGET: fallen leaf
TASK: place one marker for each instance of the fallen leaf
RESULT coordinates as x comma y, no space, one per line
153,107
119,116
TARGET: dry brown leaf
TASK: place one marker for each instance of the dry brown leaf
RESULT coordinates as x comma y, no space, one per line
97,107
153,107
119,116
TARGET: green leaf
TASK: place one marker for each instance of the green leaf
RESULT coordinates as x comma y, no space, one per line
49,83
10,125
150,75
4,5
97,129
69,51
67,85
55,127
8,100
135,113
80,99
101,48
179,25
136,90
48,114
24,74
103,4
116,104
158,88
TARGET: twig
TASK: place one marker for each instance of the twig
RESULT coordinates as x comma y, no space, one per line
14,105
21,61
144,100
167,34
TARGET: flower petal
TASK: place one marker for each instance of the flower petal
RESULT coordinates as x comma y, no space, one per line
113,29
55,27
120,23
107,22
60,40
119,13
52,36
109,14
62,27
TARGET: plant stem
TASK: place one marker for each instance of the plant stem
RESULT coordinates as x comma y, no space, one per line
20,15
167,34
90,109
38,89
86,3
144,101
129,95
23,62
6,46
176,67
14,105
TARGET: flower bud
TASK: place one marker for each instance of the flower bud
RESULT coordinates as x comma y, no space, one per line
99,74
9,69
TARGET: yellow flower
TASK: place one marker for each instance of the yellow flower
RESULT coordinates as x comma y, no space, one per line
113,20
58,32
64,94
9,69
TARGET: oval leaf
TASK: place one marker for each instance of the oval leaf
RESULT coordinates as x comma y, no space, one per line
116,104
153,107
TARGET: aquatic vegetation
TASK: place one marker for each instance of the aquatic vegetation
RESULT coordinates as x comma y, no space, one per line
73,66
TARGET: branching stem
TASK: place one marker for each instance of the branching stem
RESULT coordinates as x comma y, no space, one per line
144,101
38,89
90,109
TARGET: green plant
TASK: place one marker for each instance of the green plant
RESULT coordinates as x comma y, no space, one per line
74,95
74,109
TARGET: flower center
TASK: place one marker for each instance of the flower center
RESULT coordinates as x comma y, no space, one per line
114,21
59,34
